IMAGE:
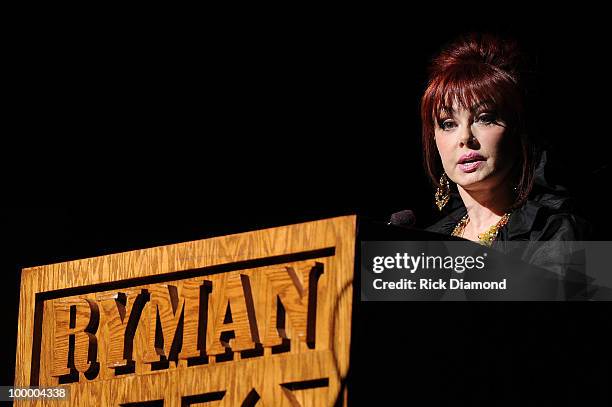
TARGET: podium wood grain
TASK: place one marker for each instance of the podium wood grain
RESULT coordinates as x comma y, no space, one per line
259,318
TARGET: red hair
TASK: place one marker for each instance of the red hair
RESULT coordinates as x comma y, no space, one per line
478,69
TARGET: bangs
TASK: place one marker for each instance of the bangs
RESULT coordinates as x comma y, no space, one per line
469,87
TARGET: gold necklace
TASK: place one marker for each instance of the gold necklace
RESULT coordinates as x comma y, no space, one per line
485,238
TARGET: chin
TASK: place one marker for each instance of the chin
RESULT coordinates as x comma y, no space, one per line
482,183
467,177
471,181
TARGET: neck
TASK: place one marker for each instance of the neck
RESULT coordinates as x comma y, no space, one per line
486,206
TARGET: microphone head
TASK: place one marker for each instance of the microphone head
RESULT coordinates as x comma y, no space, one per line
405,218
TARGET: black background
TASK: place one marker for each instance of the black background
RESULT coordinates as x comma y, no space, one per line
141,131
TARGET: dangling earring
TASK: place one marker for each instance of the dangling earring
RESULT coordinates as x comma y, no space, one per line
443,192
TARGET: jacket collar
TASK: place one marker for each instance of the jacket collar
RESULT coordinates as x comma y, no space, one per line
520,223
522,219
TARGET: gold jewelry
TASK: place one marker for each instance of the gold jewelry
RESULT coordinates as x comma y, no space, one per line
485,238
443,192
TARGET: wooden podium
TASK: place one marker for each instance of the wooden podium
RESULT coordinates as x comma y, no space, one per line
261,318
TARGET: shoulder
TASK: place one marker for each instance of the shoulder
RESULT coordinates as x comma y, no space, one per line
454,211
560,226
539,220
448,222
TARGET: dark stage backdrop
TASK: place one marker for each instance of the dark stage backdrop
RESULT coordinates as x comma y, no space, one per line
187,133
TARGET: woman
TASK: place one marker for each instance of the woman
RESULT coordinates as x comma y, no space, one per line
488,174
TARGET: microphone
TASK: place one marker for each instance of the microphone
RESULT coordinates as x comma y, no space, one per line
403,219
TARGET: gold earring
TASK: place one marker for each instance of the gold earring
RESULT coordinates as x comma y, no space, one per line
443,192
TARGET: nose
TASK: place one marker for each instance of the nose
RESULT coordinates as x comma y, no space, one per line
465,135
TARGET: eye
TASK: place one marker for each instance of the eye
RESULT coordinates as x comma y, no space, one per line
486,118
447,124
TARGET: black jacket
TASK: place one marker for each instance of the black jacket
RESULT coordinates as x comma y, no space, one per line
546,223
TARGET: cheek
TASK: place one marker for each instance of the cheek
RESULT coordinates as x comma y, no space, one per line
444,147
446,151
499,144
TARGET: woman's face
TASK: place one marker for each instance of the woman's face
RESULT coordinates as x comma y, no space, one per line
476,149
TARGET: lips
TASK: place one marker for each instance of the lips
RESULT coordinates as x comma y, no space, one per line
470,162
470,166
470,157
